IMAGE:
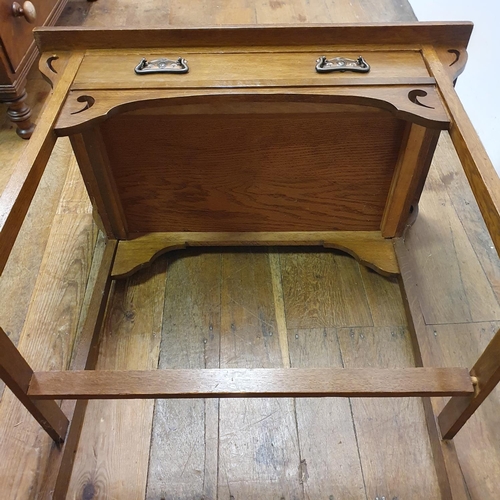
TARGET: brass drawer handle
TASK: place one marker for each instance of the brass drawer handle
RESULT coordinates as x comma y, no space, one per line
359,65
162,66
27,11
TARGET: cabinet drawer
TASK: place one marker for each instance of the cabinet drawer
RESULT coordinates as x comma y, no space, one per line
115,69
16,32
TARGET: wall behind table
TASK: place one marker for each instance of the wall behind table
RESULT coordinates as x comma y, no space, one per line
479,85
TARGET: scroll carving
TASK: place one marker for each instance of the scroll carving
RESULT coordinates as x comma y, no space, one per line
89,102
400,101
414,95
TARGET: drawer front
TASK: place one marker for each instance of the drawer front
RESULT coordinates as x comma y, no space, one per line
115,70
16,32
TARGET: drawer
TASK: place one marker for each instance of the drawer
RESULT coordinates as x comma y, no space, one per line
251,138
115,70
16,32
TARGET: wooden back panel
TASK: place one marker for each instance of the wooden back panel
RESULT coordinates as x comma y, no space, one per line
226,170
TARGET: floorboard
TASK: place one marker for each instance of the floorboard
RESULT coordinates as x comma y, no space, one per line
183,456
478,442
258,443
113,454
46,341
454,286
20,274
398,462
323,289
330,461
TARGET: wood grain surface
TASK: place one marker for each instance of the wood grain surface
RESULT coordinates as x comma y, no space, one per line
94,165
449,474
396,422
18,193
184,442
16,372
384,299
462,284
479,170
253,172
367,247
130,340
329,458
61,459
63,38
478,442
408,180
21,271
323,290
486,373
439,244
219,69
259,448
46,341
77,115
247,382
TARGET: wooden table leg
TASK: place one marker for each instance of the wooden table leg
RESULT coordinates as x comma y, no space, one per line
449,473
17,373
57,475
459,409
21,187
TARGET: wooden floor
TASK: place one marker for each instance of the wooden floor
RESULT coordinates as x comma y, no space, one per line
246,308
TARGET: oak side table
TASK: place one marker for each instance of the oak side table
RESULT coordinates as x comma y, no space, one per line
293,135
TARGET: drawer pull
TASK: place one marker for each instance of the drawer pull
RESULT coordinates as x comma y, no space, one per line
162,66
324,65
27,11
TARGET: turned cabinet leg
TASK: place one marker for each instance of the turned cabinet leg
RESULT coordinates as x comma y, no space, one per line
20,113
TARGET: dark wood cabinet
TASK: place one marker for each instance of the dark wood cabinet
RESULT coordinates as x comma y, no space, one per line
18,52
